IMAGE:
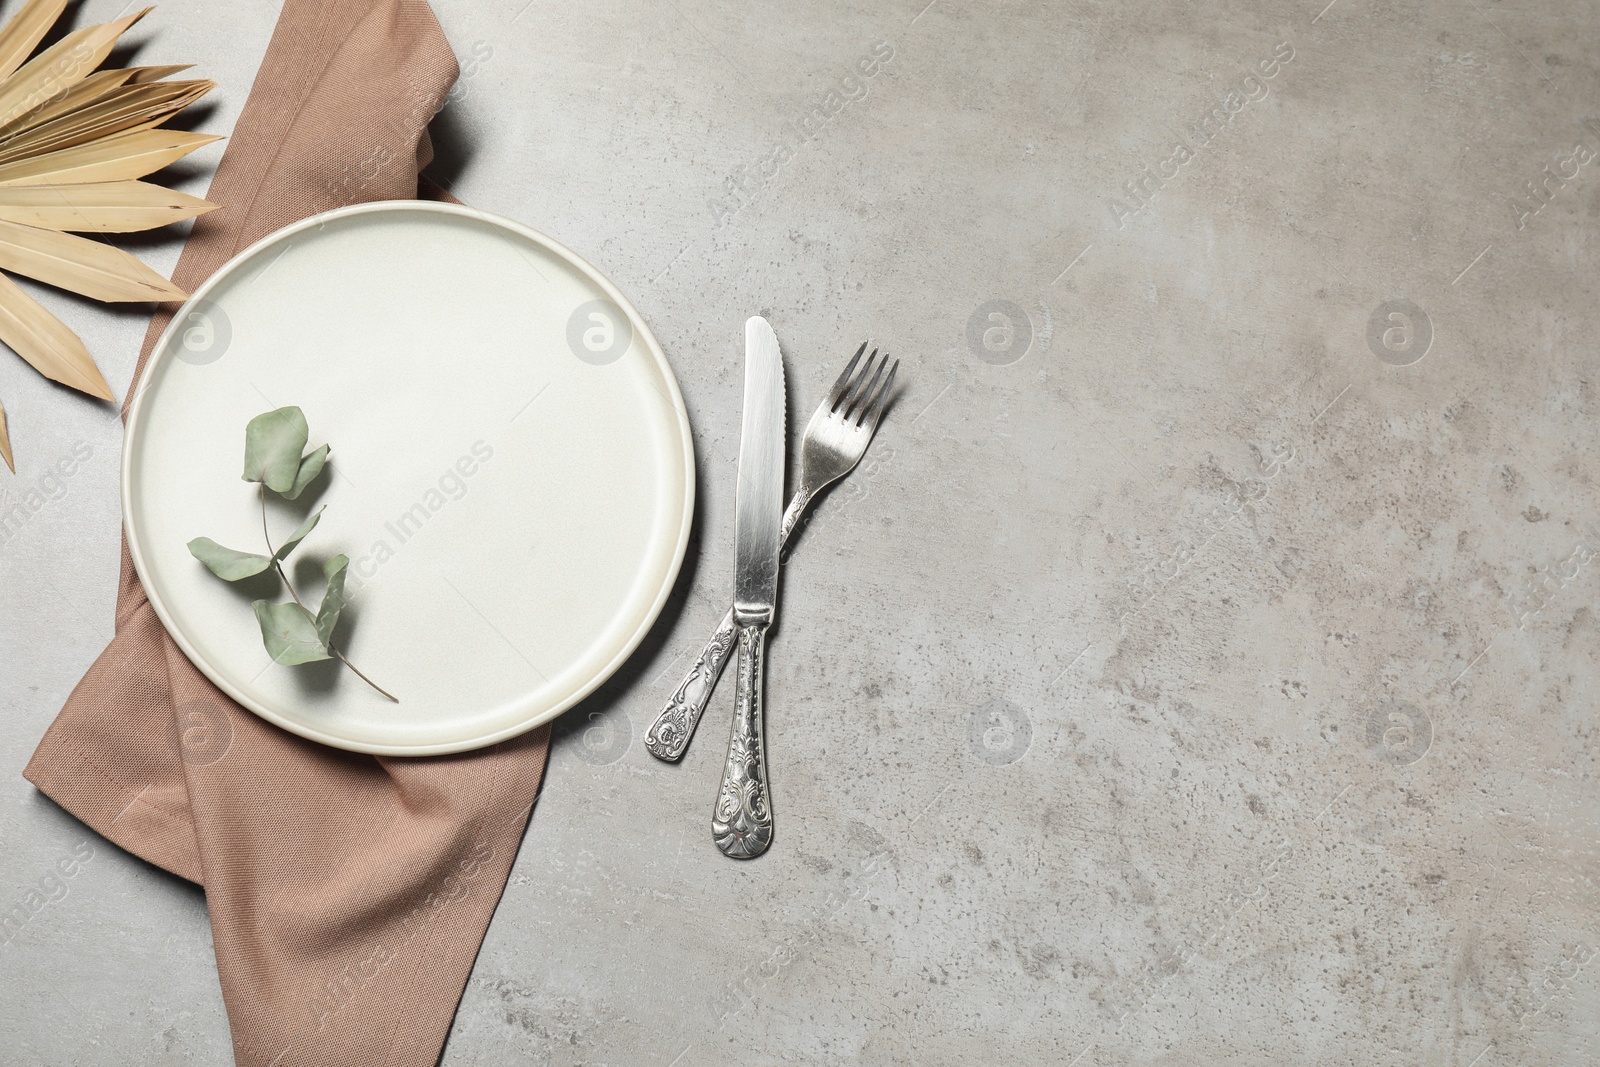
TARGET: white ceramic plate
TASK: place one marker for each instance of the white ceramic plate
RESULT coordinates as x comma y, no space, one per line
511,474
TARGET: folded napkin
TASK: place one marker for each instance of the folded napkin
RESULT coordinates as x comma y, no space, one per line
348,894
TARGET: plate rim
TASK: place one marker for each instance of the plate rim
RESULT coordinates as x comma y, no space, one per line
162,352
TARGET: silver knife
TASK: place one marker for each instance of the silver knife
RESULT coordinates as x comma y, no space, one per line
741,823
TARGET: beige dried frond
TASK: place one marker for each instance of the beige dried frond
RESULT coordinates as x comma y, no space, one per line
60,66
92,268
20,36
44,341
126,155
99,207
73,142
88,91
121,110
5,441
85,92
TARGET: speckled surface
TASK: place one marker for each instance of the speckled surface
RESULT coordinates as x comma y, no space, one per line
1200,670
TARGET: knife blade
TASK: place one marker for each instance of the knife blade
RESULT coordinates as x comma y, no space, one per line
759,500
741,821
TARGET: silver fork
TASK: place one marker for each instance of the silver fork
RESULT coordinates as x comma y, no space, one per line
835,440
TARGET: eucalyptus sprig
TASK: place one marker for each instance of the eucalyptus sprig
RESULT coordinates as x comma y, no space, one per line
275,459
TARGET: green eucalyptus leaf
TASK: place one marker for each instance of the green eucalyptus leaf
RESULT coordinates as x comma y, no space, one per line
310,467
299,535
226,563
333,599
272,446
290,633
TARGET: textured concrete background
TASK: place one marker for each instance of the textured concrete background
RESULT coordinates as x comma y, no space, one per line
1200,670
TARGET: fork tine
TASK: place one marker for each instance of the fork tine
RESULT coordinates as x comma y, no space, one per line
858,398
836,394
853,394
842,408
872,411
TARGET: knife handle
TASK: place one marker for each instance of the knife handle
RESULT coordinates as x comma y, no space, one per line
741,823
669,735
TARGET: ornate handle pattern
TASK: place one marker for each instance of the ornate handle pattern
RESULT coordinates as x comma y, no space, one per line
669,735
741,823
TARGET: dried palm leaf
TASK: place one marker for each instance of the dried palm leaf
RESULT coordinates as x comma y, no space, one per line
92,268
144,75
128,155
73,142
46,342
83,93
60,66
88,91
5,441
24,32
121,110
99,207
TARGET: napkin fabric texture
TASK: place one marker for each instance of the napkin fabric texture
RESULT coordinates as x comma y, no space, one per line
348,894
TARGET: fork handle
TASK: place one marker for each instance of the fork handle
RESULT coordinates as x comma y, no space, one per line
668,737
791,514
741,822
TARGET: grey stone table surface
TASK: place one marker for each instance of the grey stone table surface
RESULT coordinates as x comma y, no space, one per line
1201,669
